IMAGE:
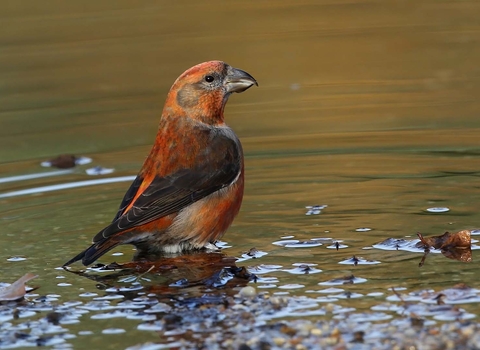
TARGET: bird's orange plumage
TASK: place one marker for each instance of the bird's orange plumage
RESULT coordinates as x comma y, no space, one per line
190,187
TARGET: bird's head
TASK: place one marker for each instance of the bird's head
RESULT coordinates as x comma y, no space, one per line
202,91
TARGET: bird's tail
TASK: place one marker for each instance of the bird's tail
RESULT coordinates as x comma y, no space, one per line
95,251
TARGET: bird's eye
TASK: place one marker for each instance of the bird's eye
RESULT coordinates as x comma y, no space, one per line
209,78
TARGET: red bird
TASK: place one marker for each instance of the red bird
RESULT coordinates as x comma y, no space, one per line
190,187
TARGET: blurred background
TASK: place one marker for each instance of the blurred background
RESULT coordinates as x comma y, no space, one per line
92,76
369,107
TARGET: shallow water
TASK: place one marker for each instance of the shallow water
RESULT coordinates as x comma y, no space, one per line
370,108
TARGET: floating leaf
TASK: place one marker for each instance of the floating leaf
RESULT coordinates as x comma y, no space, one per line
457,246
65,161
16,290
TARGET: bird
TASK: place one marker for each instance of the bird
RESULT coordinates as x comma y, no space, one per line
190,187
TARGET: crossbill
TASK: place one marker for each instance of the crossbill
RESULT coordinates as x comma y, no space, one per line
190,187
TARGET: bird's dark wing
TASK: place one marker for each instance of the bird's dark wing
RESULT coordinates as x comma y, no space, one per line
129,195
216,167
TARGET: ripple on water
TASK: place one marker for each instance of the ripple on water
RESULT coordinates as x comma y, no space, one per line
134,287
267,279
294,243
438,312
113,331
401,244
358,261
17,258
437,210
156,326
329,290
291,286
263,268
128,304
251,254
364,317
110,297
346,295
98,170
315,209
303,269
343,280
158,308
363,229
337,245
113,314
98,305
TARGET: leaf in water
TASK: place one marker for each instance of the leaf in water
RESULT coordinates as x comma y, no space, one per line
63,161
16,290
457,246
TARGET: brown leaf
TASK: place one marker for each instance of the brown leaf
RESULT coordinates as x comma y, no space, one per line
457,246
16,290
63,161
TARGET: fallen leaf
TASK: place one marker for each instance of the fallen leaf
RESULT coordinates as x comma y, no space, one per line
16,290
457,246
63,161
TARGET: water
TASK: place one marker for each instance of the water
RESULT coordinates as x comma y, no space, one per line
369,108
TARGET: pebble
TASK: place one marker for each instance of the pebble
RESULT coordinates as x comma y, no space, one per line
247,292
